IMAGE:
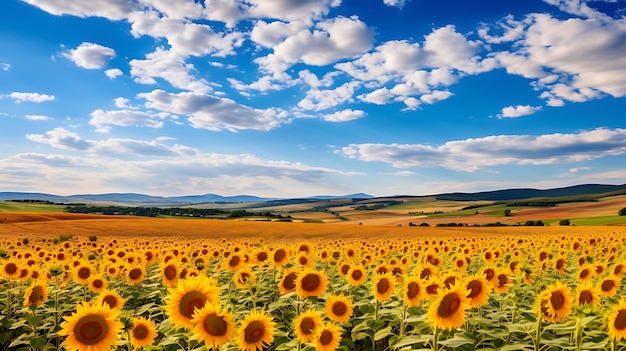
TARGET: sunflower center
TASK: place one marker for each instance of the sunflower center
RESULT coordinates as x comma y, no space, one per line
339,308
170,272
140,332
584,273
502,279
306,326
607,285
557,299
279,255
36,295
289,282
10,268
111,301
234,261
97,283
412,290
326,337
432,289
382,286
489,273
303,260
449,305
190,301
620,320
560,263
475,288
262,256
134,273
357,274
449,281
345,268
91,329
585,297
310,282
215,325
254,332
84,272
425,273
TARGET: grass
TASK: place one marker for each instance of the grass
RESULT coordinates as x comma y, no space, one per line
8,206
600,220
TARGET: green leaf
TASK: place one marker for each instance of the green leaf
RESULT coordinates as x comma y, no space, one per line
458,340
383,333
33,319
412,340
38,342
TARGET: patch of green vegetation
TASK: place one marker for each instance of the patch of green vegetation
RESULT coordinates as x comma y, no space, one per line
600,220
11,206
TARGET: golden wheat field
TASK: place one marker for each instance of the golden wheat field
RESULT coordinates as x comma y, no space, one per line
135,284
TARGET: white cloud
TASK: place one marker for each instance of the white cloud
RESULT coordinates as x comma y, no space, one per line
324,99
344,115
61,138
289,10
330,41
37,118
396,3
436,96
30,97
111,9
113,73
90,55
215,113
476,153
5,66
518,111
125,118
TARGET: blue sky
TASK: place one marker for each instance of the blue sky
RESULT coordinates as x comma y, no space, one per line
291,98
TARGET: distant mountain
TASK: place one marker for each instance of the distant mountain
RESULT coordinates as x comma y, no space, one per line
349,196
526,193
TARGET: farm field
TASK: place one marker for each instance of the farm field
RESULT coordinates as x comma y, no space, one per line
90,282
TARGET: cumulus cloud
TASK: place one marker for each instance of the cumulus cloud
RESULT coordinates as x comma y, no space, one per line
476,153
111,9
113,73
30,97
125,118
330,41
37,118
90,55
5,66
396,3
344,115
214,113
518,111
289,10
318,100
61,138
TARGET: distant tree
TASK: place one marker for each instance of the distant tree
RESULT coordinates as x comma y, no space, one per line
539,223
424,224
622,212
564,222
529,223
507,212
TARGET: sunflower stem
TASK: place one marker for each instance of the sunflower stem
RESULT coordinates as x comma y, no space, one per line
538,333
10,303
436,339
508,337
578,334
130,344
402,324
614,344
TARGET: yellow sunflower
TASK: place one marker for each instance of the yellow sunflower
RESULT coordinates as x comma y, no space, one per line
256,331
82,272
244,278
190,294
111,298
413,292
501,283
447,311
555,303
143,332
383,286
92,327
170,271
609,286
310,282
478,290
215,328
327,337
135,274
616,321
280,257
35,294
357,275
287,283
97,283
305,325
10,269
587,295
338,308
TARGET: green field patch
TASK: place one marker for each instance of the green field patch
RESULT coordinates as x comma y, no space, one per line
10,206
599,220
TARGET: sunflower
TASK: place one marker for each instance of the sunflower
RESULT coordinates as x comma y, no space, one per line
343,268
413,292
338,308
383,286
35,294
327,337
305,325
426,270
311,283
280,257
478,289
97,283
244,278
212,326
82,272
234,263
111,298
609,286
256,331
135,274
304,260
501,283
92,327
555,303
10,269
287,283
170,271
143,332
190,294
447,311
587,295
357,275
616,321
585,272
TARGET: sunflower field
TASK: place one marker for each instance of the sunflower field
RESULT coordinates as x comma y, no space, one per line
540,291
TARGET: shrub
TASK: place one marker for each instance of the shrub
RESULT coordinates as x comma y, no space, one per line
564,222
622,212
